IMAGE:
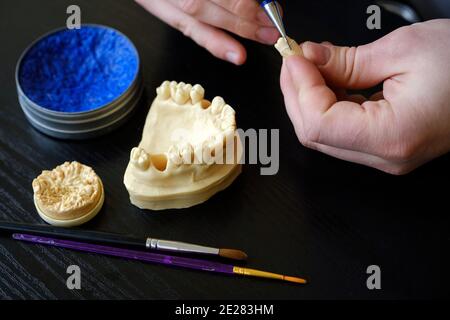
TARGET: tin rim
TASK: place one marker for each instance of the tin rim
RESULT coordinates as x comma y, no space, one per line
39,124
86,117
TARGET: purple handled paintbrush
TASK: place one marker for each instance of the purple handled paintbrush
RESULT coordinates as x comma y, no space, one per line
189,263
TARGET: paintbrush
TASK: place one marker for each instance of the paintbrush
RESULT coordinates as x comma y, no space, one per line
197,264
120,240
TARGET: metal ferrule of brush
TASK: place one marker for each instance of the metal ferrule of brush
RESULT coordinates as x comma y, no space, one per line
175,246
272,9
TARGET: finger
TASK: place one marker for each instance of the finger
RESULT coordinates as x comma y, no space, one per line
215,41
247,9
356,67
343,125
291,102
366,159
353,156
212,14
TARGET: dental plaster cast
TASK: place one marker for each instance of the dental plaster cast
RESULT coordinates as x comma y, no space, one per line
69,195
283,47
176,163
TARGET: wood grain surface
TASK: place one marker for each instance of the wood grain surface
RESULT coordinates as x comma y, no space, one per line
319,217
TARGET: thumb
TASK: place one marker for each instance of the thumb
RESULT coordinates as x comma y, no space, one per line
353,67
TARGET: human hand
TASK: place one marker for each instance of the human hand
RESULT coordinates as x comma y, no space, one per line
397,129
206,22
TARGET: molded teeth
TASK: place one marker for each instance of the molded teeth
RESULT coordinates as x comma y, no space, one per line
214,145
228,124
228,112
182,93
229,135
228,118
187,153
197,94
181,154
174,156
211,149
139,158
173,89
217,105
163,91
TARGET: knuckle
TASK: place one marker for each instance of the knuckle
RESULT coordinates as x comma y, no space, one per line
191,7
404,152
305,141
307,144
240,27
184,27
304,136
349,58
310,136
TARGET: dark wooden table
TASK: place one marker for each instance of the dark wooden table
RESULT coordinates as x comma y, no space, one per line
319,217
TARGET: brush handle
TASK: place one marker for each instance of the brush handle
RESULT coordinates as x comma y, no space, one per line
176,246
189,263
74,234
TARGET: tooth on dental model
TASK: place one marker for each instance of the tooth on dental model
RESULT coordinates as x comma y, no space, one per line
197,94
283,47
180,162
164,90
140,158
217,105
69,195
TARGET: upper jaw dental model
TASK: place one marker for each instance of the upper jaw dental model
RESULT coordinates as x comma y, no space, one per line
189,150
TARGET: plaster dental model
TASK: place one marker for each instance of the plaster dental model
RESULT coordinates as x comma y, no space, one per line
184,156
286,50
69,195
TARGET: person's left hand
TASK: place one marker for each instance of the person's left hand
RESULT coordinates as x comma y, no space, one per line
208,22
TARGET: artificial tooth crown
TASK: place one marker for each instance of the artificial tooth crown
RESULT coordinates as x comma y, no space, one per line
176,163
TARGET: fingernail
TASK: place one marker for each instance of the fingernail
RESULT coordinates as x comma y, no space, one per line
267,35
232,57
322,54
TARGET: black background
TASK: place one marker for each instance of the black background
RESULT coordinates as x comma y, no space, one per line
320,218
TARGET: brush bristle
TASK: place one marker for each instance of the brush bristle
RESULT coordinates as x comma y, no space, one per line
295,280
233,254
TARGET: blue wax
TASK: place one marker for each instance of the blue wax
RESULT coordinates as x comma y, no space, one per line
78,70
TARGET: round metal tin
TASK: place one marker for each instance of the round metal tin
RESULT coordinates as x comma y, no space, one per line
81,125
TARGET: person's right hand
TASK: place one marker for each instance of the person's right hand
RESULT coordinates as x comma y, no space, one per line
399,128
206,22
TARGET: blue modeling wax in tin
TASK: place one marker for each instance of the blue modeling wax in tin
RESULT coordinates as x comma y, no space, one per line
78,70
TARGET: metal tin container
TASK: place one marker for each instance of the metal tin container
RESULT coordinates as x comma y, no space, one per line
86,124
